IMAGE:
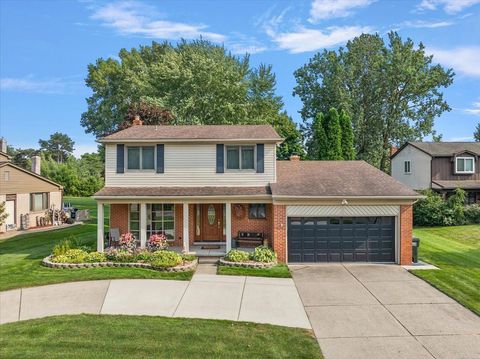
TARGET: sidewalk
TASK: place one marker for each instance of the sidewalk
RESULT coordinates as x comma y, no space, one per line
261,300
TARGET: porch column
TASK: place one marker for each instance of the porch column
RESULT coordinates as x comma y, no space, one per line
143,225
100,224
228,226
186,239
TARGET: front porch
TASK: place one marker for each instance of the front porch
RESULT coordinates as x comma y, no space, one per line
204,229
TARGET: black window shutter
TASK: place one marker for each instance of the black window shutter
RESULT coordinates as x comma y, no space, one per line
220,158
260,158
160,159
120,158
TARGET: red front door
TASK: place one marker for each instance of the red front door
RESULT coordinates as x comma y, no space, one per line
212,222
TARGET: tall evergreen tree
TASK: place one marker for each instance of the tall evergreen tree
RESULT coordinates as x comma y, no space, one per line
348,151
333,132
476,134
317,146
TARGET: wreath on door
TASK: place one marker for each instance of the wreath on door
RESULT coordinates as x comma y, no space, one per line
239,211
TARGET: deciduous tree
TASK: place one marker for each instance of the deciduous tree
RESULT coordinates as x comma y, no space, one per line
59,146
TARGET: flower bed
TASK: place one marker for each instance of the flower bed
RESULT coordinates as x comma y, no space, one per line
262,257
185,266
156,257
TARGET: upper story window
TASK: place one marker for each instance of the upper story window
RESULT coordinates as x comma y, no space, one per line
38,201
141,158
240,157
407,167
464,165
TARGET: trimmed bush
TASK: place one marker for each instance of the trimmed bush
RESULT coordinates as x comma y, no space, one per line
61,258
165,259
472,213
61,248
75,255
189,257
144,255
264,254
95,257
235,255
124,256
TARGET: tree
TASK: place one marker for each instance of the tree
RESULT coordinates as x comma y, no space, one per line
333,133
436,137
292,143
476,134
59,146
317,145
22,157
150,111
197,81
392,92
348,151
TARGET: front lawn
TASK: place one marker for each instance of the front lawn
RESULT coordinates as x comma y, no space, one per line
278,271
456,251
108,336
21,256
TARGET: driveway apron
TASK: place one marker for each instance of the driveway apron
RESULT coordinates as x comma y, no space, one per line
382,311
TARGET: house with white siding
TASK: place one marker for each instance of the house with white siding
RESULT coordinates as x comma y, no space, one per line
219,184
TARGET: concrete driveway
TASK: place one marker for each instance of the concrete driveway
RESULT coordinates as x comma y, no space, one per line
382,311
261,300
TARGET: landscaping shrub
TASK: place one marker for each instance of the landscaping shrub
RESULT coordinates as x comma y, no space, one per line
61,248
61,258
95,257
75,255
434,211
264,254
157,242
124,256
189,257
235,255
472,213
144,255
128,241
165,259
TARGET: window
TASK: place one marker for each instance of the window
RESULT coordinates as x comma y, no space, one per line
464,165
240,157
135,220
161,219
38,201
257,211
141,158
407,167
6,176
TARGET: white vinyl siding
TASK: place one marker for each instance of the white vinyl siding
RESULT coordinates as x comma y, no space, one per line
189,164
420,163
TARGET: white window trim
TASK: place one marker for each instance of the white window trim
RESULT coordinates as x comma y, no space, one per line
409,167
464,158
125,159
139,220
254,169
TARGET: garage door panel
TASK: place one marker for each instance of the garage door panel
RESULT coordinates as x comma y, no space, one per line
337,239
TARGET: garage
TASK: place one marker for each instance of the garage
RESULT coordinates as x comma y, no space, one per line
341,239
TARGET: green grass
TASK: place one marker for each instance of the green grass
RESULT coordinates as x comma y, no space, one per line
278,271
21,256
88,336
456,251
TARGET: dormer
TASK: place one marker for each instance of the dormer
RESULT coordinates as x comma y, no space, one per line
464,163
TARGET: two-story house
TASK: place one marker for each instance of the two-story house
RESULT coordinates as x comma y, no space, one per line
441,166
204,184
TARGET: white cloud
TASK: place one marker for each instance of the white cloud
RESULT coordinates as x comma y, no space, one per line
449,6
328,9
463,60
474,110
241,44
58,85
135,18
427,24
303,39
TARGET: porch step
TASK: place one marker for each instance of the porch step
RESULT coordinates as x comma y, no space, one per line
210,260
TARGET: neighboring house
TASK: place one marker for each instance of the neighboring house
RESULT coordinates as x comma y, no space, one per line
441,166
199,184
27,194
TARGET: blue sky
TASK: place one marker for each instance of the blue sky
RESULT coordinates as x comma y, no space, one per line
45,47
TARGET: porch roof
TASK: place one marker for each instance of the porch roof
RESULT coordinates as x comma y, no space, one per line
465,184
122,192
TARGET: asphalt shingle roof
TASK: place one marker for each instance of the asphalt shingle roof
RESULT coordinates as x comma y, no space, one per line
447,148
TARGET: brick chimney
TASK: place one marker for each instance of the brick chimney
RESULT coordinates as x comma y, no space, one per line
36,164
3,145
137,121
294,158
393,150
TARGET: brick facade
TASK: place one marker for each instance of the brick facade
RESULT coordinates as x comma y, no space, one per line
406,223
279,229
119,217
241,222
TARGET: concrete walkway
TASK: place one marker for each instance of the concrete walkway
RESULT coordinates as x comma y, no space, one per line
382,311
238,298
